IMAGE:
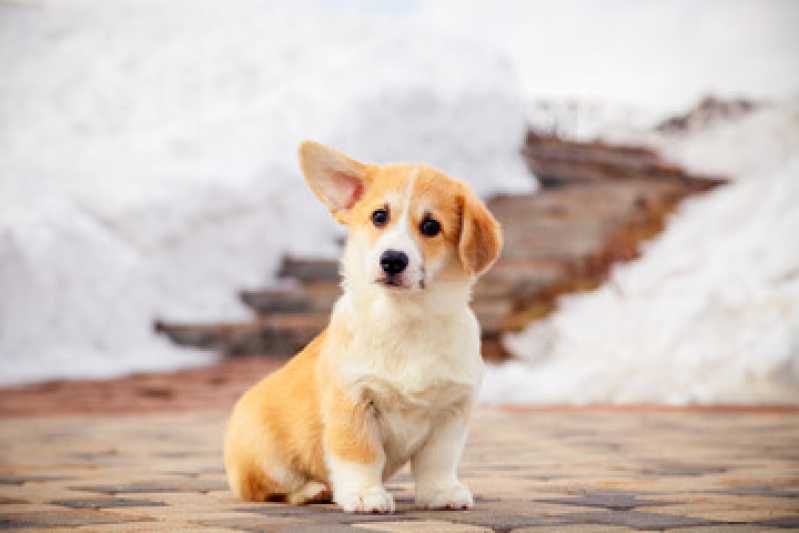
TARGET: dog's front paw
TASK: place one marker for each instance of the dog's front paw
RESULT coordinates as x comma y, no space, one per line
455,497
371,500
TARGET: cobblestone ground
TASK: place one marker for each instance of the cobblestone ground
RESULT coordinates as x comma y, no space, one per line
532,471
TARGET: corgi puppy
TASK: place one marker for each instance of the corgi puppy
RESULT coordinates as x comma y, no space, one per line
394,375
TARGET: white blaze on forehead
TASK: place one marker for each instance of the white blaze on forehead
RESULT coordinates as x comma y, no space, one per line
400,229
402,224
400,237
409,194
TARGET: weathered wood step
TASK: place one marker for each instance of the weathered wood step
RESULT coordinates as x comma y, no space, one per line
319,297
280,335
283,334
316,296
556,161
305,270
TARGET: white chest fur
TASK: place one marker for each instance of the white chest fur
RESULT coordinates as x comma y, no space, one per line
412,364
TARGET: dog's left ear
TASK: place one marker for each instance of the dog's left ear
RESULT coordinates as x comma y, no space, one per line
481,236
337,180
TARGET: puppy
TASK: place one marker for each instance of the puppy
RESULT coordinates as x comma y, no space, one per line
394,375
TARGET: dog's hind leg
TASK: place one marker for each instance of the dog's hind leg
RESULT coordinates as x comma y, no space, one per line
311,492
252,484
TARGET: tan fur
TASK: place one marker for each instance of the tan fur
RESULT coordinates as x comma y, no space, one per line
345,397
260,421
481,239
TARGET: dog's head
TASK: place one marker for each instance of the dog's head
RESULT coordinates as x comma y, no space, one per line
410,226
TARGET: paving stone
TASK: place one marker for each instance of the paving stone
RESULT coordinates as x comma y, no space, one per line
326,512
532,508
555,478
497,521
425,526
609,500
683,470
126,527
155,487
761,491
93,457
638,520
193,499
277,509
106,503
66,518
723,501
30,508
320,528
728,528
727,512
788,522
21,480
239,522
578,528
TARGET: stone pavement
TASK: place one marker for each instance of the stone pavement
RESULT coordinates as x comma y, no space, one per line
593,469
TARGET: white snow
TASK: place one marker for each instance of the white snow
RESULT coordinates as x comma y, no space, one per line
710,313
655,56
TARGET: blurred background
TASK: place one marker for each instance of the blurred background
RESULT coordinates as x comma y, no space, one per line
643,157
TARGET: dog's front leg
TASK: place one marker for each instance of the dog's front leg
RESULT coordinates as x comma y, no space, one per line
355,459
435,467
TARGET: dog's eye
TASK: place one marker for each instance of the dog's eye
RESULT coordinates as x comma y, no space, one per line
380,217
430,227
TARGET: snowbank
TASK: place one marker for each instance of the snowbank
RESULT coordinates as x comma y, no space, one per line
149,158
710,313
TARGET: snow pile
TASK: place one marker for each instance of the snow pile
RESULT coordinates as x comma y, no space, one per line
745,148
710,314
149,158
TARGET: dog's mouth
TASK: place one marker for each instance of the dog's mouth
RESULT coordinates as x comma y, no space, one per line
392,283
398,284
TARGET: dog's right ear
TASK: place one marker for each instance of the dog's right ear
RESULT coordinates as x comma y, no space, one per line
336,179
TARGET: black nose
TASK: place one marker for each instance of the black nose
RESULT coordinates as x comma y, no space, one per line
393,262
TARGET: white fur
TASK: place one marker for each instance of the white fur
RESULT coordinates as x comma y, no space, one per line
358,488
435,467
310,491
415,356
